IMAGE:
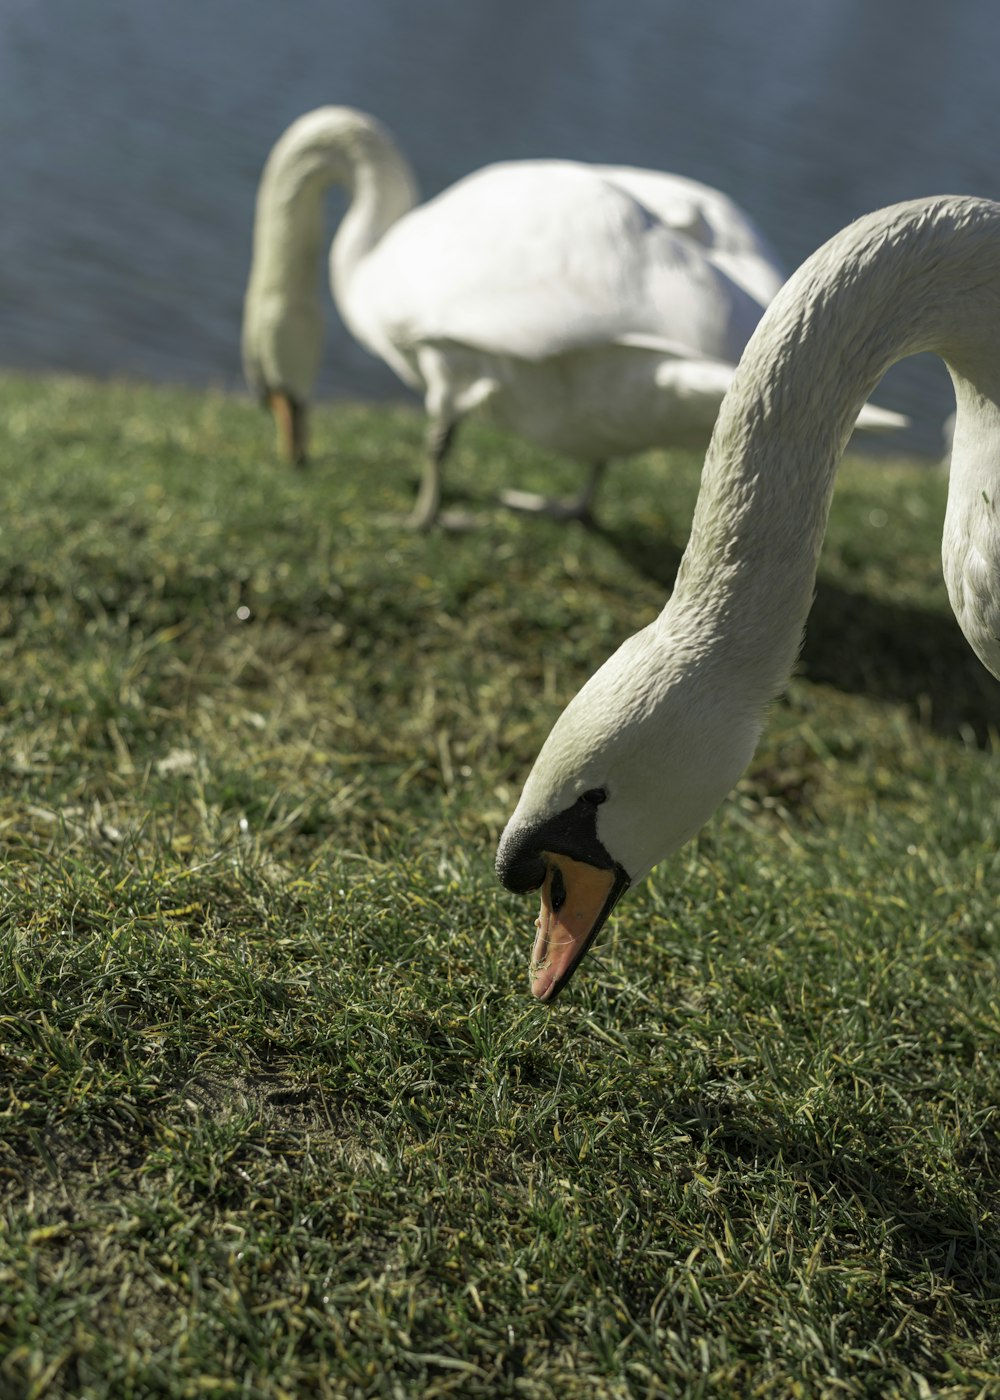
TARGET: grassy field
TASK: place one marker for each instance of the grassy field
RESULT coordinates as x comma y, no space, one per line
277,1115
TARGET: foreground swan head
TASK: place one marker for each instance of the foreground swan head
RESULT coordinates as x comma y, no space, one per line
644,753
597,812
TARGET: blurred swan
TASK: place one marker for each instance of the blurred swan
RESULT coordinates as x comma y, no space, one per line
650,746
593,310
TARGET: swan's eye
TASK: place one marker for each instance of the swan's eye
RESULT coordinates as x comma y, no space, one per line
557,890
595,796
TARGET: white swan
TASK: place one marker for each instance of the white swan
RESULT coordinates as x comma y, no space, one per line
658,736
597,311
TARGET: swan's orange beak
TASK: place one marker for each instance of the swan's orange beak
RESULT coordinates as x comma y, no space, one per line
290,421
576,900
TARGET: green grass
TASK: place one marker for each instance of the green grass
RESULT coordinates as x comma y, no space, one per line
277,1114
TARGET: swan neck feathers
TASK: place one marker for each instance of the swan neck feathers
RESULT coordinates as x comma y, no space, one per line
333,145
282,316
919,276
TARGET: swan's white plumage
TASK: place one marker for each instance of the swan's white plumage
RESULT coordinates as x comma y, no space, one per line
538,259
594,310
666,726
708,218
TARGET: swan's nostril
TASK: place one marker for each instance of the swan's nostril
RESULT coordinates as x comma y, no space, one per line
557,889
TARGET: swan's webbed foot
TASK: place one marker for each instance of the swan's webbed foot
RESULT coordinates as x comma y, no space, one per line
581,507
529,503
420,517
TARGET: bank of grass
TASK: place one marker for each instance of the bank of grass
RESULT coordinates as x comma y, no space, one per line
278,1115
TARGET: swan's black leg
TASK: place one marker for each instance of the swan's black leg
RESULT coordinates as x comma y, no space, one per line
583,506
440,437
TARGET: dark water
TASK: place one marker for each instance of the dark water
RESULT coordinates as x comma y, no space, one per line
134,130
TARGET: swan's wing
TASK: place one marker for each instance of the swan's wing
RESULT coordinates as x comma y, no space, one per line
873,419
696,388
706,216
535,259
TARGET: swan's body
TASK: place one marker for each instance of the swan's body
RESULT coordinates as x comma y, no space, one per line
594,310
644,753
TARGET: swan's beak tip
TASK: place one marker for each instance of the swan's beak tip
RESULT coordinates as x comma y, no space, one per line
290,422
542,985
566,927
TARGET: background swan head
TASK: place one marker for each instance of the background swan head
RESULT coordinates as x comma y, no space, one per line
282,334
633,767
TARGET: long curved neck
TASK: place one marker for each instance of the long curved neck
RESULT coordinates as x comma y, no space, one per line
333,145
918,276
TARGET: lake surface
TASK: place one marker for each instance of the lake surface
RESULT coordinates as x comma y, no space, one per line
134,132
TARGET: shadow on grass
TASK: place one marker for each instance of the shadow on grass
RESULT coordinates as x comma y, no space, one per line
934,1233
866,646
